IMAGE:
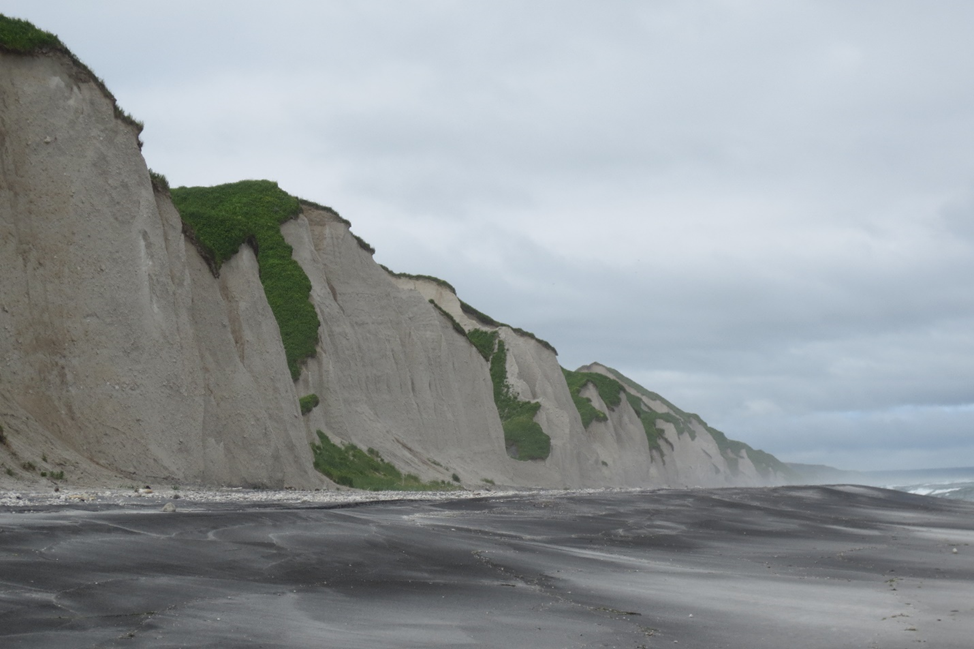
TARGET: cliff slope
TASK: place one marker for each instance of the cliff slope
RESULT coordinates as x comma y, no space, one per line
685,449
249,338
115,338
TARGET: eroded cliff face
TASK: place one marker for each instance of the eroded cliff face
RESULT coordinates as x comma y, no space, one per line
115,338
688,452
125,359
614,452
391,372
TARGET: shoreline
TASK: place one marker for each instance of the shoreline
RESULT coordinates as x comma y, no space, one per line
99,498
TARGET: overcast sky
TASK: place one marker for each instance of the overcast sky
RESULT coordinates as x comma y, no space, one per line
763,211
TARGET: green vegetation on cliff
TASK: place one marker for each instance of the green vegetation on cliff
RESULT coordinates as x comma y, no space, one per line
159,182
638,389
479,316
765,463
362,243
523,436
731,450
610,391
428,278
453,321
648,419
223,218
486,320
350,466
485,341
588,412
21,37
308,403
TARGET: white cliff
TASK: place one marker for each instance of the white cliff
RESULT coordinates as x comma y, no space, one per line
125,358
114,336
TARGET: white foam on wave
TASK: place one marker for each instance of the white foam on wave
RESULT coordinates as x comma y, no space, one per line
959,489
932,491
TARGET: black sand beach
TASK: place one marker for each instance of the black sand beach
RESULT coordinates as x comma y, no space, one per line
745,568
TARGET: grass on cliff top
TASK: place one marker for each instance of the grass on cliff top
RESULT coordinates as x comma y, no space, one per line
350,466
21,37
362,243
485,319
429,278
223,218
523,436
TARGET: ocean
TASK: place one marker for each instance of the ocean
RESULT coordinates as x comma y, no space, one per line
941,483
960,490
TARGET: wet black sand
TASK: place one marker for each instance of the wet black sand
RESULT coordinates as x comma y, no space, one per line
750,568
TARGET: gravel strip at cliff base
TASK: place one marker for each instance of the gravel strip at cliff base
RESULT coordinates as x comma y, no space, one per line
183,497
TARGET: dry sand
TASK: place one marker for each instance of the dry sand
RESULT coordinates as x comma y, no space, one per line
750,568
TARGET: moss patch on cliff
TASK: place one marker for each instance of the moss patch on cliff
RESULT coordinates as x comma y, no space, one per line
224,217
350,466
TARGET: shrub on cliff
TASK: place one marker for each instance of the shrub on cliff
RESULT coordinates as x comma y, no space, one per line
308,403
